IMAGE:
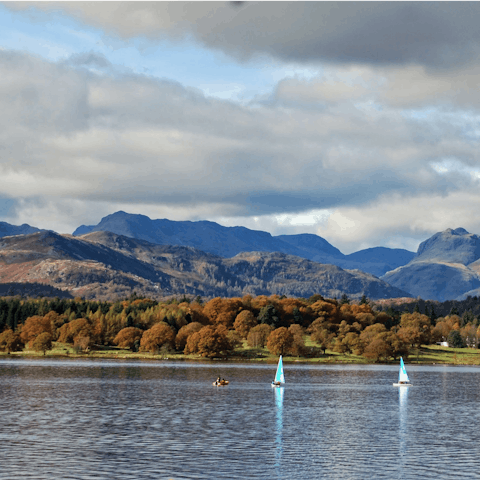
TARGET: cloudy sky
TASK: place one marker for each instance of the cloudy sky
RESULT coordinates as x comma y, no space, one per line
355,121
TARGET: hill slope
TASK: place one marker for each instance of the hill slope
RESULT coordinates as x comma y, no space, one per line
445,267
104,265
229,241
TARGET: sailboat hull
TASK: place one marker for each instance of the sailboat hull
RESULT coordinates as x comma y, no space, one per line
402,384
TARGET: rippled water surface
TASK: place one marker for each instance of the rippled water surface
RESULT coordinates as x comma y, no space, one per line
132,420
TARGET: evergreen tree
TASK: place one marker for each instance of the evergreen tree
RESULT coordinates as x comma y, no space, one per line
268,315
455,340
344,299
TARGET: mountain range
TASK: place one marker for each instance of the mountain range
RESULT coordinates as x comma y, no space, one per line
229,241
126,251
105,266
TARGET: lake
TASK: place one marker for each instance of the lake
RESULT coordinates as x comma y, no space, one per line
106,419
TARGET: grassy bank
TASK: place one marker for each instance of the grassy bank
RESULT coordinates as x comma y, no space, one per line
428,355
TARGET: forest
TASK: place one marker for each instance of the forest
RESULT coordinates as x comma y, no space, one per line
226,327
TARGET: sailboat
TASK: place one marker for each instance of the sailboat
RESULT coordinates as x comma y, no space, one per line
403,380
279,376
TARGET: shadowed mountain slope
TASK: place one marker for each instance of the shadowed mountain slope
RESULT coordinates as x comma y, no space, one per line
104,265
7,230
445,267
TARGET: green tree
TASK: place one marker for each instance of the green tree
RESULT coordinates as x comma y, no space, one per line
268,315
344,299
455,340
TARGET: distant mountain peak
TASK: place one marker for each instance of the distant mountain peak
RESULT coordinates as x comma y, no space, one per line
459,231
451,246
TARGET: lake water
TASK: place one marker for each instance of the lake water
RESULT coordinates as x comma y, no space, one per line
73,419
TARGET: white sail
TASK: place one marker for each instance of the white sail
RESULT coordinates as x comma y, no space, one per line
402,374
279,376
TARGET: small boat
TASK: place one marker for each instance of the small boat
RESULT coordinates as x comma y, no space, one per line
220,383
403,380
279,376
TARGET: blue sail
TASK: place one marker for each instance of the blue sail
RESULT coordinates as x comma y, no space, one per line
280,377
402,374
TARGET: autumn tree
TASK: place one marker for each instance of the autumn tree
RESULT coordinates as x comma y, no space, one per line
128,337
352,343
415,329
258,335
377,349
184,333
10,341
235,339
223,311
443,328
33,327
371,332
156,337
244,321
280,341
42,343
321,334
298,346
211,341
469,335
80,327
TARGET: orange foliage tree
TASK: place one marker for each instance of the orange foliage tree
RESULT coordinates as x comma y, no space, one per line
156,337
184,333
415,329
298,346
280,341
223,310
42,343
244,321
33,327
211,341
128,337
10,341
78,328
258,335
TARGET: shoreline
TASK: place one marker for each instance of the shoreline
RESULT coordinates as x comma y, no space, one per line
451,358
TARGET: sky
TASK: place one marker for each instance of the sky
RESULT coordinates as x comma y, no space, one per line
355,121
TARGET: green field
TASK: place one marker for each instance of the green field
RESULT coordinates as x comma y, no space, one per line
431,354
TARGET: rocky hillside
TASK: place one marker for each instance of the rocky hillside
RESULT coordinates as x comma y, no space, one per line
104,265
229,241
446,267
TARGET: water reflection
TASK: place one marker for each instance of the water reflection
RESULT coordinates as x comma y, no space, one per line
279,430
85,420
402,428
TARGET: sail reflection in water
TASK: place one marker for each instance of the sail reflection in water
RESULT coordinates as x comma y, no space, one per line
279,429
402,428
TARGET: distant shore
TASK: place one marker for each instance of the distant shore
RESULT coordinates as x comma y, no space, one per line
427,355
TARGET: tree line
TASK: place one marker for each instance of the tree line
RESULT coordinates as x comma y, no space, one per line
221,326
